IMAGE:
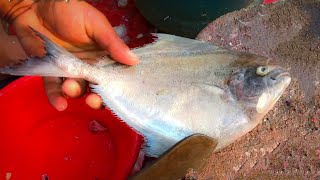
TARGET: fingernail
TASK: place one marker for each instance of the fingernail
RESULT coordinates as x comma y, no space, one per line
61,104
94,101
71,88
133,56
61,107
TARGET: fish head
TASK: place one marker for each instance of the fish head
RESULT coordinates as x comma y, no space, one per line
257,84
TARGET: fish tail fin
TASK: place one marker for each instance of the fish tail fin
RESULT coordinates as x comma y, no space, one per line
57,62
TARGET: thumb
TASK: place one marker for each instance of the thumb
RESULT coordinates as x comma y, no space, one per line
103,33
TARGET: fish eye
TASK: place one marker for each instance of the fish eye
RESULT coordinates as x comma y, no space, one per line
262,70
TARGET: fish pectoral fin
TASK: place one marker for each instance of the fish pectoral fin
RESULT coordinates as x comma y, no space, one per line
212,88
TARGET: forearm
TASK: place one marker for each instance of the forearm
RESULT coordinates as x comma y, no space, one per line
10,9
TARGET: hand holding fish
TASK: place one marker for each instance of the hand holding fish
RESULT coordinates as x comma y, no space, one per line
76,26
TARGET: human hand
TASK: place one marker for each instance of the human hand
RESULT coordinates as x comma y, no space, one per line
10,49
78,27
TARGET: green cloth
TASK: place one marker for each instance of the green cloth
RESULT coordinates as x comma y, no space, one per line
186,17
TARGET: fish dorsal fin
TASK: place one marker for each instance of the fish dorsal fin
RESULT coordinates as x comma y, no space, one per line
167,45
171,45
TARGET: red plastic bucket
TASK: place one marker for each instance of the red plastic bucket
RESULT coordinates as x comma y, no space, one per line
37,141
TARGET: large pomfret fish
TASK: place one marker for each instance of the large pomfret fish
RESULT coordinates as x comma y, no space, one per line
180,87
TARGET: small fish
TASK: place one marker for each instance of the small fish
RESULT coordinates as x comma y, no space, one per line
180,87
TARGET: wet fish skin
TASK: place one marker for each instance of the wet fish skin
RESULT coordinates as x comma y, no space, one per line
180,87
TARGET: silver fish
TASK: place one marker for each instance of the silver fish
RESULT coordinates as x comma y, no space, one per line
180,87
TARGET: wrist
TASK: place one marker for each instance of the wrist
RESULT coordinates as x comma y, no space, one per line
10,9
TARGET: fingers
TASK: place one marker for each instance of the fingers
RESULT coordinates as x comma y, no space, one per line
29,41
94,101
10,49
99,28
55,88
74,87
30,44
54,93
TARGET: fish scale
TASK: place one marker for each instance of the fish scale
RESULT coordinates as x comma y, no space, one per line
180,87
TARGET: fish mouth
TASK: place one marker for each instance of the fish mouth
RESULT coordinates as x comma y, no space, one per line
283,79
280,74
